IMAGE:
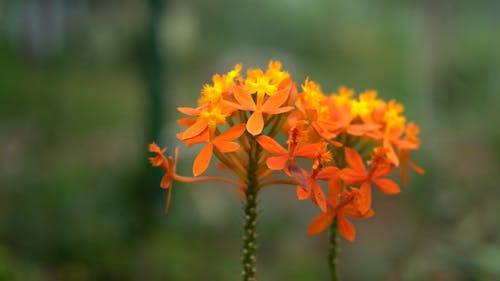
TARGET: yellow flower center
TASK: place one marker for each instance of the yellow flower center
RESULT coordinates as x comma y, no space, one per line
213,117
313,95
366,103
259,83
392,115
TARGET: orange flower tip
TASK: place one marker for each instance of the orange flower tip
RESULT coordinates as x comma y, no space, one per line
255,123
188,111
155,161
320,223
302,193
276,163
166,181
387,186
153,147
203,160
346,229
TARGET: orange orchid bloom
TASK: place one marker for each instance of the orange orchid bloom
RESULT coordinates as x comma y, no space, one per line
272,105
341,205
319,172
409,143
379,167
223,143
404,155
168,165
394,126
206,117
314,111
285,156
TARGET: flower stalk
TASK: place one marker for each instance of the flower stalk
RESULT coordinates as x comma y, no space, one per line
250,214
249,235
332,251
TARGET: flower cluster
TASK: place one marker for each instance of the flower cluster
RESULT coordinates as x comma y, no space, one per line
332,148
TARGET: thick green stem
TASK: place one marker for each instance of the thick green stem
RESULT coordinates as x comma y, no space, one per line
332,253
250,220
249,237
334,239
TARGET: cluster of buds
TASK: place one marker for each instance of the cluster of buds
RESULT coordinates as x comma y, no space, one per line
332,148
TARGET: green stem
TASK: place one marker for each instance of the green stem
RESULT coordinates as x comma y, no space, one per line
249,237
332,255
334,240
250,220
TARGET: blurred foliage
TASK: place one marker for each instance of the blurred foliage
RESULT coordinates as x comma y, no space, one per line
78,200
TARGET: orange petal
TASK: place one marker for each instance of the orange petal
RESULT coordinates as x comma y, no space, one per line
276,100
350,211
307,151
236,106
226,146
366,197
201,138
328,173
232,133
153,147
336,143
319,197
189,111
351,176
354,160
391,154
383,170
334,188
244,98
279,110
319,128
203,159
195,129
157,160
320,223
179,136
334,128
255,123
416,168
303,193
346,229
277,163
387,186
186,122
270,145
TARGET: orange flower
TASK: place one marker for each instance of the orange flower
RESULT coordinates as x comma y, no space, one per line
207,117
342,204
319,172
272,105
410,142
285,156
379,167
314,111
168,165
223,143
394,125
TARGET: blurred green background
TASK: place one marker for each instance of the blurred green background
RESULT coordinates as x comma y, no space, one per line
85,85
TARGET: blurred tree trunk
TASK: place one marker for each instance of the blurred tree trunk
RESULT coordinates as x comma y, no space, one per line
146,191
155,70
